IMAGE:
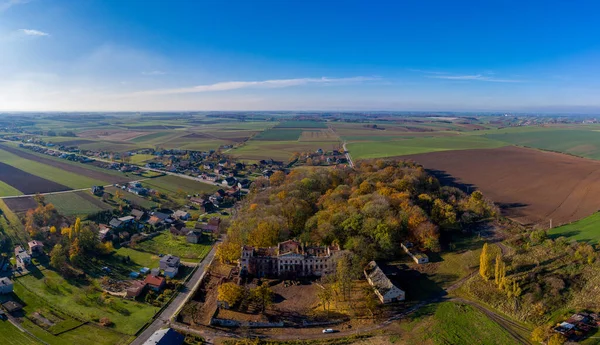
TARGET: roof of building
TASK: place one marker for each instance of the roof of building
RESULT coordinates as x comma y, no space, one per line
171,269
35,243
5,281
160,215
115,223
153,280
137,213
169,259
165,337
379,280
126,218
181,213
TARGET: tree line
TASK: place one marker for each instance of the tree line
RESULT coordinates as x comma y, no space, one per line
369,209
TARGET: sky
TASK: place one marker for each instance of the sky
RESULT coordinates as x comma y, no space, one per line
425,55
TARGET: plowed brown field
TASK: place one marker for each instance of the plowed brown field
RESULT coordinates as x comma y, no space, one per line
530,186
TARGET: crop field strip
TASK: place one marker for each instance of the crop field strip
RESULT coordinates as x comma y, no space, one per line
42,171
101,175
76,203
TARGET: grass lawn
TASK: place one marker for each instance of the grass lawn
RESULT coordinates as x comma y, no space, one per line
72,204
141,158
128,316
171,184
166,243
139,258
586,229
51,173
11,335
8,190
378,149
133,199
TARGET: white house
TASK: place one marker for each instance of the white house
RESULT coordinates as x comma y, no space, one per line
385,290
6,286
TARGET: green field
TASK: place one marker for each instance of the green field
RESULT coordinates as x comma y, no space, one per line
584,143
11,335
279,134
71,204
85,334
48,172
128,316
166,243
586,229
8,190
141,158
135,200
366,150
171,184
279,150
141,259
152,137
456,323
301,124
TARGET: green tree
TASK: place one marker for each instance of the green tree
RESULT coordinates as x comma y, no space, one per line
263,295
58,257
230,293
325,295
556,339
485,263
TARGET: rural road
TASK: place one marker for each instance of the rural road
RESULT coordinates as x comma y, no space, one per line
348,155
164,318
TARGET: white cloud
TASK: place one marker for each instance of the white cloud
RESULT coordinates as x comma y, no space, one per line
5,5
234,85
155,72
478,77
31,32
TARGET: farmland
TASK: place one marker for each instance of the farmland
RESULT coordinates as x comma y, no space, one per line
377,149
517,179
584,143
45,171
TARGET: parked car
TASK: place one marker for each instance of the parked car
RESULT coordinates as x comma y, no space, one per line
328,330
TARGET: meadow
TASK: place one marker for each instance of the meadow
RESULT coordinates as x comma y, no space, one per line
76,203
172,184
11,335
166,243
586,230
81,302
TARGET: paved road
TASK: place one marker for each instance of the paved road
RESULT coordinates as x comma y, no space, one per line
165,317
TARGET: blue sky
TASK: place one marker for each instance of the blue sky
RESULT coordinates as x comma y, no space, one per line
305,55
